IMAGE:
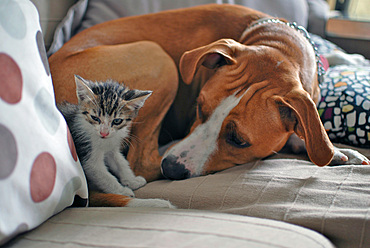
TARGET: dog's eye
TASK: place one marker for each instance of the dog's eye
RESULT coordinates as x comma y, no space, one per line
234,140
199,111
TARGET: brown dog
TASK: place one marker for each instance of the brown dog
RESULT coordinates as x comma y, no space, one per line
244,89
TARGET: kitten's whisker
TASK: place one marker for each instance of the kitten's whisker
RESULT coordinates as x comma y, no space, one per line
135,138
136,122
127,143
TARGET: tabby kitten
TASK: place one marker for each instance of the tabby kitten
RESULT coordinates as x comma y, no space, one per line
99,124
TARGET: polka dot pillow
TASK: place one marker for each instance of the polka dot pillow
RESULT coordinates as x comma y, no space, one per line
40,173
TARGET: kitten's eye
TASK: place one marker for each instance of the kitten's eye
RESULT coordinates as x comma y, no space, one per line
117,122
95,118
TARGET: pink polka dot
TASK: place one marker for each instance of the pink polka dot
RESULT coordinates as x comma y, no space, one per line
71,145
43,175
11,82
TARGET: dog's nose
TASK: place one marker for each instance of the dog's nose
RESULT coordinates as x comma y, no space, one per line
173,169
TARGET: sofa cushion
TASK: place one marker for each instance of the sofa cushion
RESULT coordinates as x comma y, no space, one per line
52,13
39,170
134,227
333,201
104,10
99,11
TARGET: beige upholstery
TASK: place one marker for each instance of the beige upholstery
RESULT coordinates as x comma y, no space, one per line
333,201
51,14
125,227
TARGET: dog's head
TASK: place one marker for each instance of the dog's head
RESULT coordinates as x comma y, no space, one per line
247,109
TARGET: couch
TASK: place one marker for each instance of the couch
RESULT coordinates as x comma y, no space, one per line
280,201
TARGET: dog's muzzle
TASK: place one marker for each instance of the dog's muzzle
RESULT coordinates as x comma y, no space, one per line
174,170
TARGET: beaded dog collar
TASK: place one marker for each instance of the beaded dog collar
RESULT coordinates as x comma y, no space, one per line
303,31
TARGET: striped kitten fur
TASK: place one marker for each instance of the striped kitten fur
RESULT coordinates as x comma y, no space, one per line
100,124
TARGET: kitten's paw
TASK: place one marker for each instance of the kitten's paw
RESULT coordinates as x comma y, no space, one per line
149,203
127,192
135,183
348,156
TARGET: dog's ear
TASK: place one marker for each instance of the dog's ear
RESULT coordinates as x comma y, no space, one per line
298,113
214,55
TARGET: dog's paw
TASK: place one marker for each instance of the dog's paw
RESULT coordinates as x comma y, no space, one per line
136,182
348,156
150,203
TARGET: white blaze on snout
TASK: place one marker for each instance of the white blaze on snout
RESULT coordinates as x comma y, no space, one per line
194,151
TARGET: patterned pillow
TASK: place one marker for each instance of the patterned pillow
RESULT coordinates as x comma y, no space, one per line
40,173
345,104
324,46
344,107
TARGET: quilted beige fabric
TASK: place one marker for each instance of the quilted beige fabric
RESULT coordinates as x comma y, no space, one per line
129,227
334,201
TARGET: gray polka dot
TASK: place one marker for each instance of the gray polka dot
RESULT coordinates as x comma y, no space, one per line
46,111
8,152
22,227
42,51
12,19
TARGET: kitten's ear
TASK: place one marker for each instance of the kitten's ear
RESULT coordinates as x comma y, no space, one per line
138,100
83,90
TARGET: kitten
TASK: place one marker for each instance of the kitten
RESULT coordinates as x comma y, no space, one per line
99,124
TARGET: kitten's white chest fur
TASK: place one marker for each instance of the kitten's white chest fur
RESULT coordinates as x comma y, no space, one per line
106,169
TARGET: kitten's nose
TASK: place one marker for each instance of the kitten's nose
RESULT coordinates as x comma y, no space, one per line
104,134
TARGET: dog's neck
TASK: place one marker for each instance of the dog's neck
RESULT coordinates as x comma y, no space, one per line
300,29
